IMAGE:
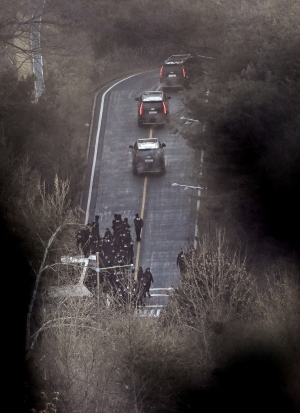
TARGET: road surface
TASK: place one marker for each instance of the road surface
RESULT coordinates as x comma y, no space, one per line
110,187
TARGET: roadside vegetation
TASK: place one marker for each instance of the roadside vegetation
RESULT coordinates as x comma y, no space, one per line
251,135
230,335
224,338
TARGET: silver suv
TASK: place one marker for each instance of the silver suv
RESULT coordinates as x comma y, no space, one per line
153,108
148,156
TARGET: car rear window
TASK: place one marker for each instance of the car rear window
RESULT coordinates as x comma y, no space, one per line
144,153
150,143
172,68
150,105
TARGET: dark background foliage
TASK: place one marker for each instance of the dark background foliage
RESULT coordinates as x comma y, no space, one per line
252,139
251,145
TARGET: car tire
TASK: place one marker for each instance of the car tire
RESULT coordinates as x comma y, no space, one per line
134,170
140,124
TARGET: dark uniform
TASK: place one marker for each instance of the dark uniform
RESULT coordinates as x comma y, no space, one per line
138,225
140,291
117,224
125,225
131,252
148,281
114,220
79,239
124,253
108,234
181,261
140,274
95,229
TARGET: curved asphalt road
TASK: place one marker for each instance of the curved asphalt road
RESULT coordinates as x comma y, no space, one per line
169,212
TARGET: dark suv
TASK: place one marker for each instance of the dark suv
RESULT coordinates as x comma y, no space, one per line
153,108
148,156
173,73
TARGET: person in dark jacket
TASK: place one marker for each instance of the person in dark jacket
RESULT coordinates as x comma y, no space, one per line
79,239
108,234
118,241
95,229
87,239
140,274
114,221
131,252
106,245
148,280
110,249
124,253
138,225
127,237
117,224
119,260
107,262
181,261
140,293
125,225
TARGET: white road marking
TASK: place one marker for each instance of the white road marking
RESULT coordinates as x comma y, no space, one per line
144,312
159,295
154,306
161,289
97,143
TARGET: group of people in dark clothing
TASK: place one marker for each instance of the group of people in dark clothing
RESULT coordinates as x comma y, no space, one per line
129,291
113,247
89,242
115,254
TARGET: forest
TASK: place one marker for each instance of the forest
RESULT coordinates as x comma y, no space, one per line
229,337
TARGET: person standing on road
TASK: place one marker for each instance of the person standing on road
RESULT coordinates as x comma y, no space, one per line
139,295
108,234
148,277
95,229
125,225
131,252
140,274
138,225
117,224
114,221
181,261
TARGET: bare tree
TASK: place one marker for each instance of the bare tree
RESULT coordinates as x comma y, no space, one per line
278,311
214,289
278,303
78,355
52,209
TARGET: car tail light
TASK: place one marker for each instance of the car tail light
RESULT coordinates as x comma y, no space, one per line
164,107
161,71
141,108
183,72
